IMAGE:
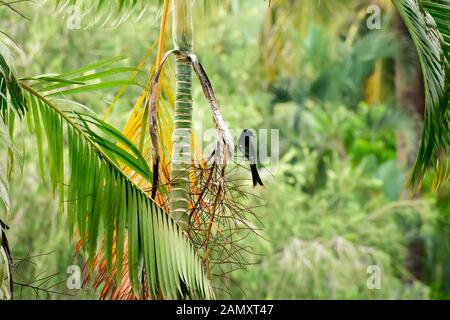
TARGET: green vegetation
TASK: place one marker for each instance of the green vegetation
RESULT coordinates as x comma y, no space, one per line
362,181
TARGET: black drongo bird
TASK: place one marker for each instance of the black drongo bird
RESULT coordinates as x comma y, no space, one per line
247,148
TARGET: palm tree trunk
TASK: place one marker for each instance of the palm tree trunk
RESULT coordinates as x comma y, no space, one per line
409,92
181,152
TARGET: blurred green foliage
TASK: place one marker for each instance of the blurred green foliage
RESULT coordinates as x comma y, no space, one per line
330,213
337,203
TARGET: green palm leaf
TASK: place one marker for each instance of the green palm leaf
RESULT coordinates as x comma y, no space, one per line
94,76
10,92
100,199
440,11
104,12
87,158
5,274
4,196
6,283
120,5
430,37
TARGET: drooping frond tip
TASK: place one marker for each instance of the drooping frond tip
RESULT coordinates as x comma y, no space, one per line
431,41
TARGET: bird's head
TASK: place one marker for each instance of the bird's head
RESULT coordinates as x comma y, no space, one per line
248,133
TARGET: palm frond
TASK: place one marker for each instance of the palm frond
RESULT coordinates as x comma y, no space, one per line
136,128
112,13
212,205
9,5
95,76
6,281
5,199
4,196
103,203
119,5
430,40
440,11
10,91
98,187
